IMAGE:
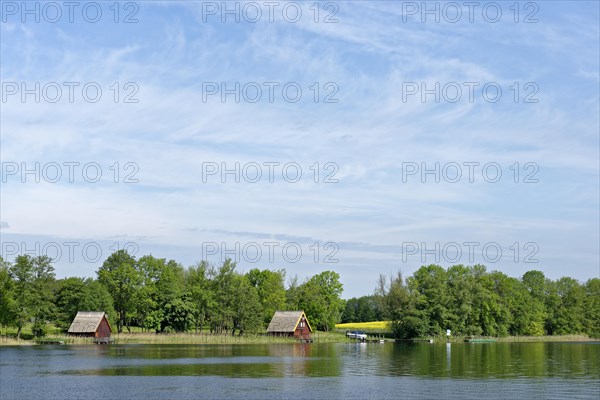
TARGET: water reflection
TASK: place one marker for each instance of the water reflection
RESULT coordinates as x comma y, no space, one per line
484,360
276,371
494,360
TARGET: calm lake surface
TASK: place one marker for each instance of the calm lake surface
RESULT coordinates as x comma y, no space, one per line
303,371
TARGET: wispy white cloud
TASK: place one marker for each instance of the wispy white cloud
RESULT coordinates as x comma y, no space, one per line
369,133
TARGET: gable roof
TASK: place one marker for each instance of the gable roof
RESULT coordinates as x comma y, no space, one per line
286,321
87,322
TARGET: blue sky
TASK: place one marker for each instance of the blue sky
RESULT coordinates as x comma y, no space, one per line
370,217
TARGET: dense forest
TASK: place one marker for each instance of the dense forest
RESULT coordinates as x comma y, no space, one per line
472,301
162,296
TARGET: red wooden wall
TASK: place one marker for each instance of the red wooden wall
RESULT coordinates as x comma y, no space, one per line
302,329
103,329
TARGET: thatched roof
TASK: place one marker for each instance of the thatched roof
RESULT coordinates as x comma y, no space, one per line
87,321
286,321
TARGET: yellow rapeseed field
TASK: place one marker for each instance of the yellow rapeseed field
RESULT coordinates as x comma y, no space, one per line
380,326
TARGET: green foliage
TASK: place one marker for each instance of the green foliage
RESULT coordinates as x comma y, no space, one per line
202,297
224,285
270,290
407,320
120,276
409,327
565,307
321,300
248,307
161,302
78,294
471,301
39,328
161,296
362,309
293,294
429,286
7,295
177,314
33,279
592,307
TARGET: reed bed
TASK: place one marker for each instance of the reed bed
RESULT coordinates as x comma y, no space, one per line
174,338
11,341
192,338
545,339
208,338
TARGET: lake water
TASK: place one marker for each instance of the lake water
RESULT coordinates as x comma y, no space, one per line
303,371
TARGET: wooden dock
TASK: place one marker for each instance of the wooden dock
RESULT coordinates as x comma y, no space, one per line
103,340
368,340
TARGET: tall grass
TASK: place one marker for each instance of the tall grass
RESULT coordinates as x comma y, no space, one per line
176,338
191,338
559,338
11,341
207,338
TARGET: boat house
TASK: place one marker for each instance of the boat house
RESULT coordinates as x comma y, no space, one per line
290,323
91,324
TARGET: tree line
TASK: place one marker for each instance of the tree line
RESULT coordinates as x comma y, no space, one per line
160,295
470,301
163,296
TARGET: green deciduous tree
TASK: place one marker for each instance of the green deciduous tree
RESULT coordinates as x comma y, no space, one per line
224,285
592,307
79,294
565,307
120,276
202,297
162,302
271,290
321,300
429,286
362,309
293,294
7,295
162,296
350,311
407,321
33,279
247,307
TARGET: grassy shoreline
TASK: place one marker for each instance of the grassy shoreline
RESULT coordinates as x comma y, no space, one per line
172,338
547,339
206,338
374,330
